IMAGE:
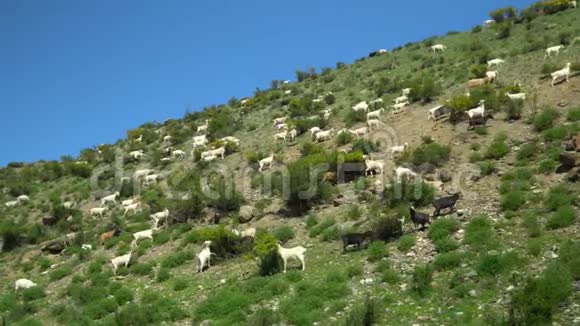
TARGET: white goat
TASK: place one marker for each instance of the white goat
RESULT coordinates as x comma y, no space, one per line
133,208
204,256
141,173
553,49
22,198
121,261
142,235
398,107
221,151
280,136
111,198
374,123
292,135
292,253
396,150
68,204
495,62
375,114
518,96
401,99
278,121
478,111
438,47
406,91
324,135
562,73
11,203
210,158
374,165
361,106
437,112
98,211
379,100
160,217
87,247
128,202
152,178
167,139
491,75
178,154
249,232
266,162
282,126
137,154
314,131
23,284
203,127
402,172
360,131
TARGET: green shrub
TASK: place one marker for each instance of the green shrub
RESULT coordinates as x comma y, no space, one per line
123,295
409,192
284,233
344,138
487,167
422,279
180,284
319,228
447,260
574,114
535,246
177,259
513,109
513,201
547,166
226,304
266,250
141,269
495,264
537,302
353,117
11,234
533,227
433,153
163,274
445,245
545,119
443,228
569,255
330,234
497,149
387,227
264,317
364,146
527,151
562,217
479,233
376,251
33,293
558,196
367,313
555,134
355,269
406,242
354,212
311,221
60,273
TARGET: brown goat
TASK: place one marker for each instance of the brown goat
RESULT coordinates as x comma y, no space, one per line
109,235
330,177
472,83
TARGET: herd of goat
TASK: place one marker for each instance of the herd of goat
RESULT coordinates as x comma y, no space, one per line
286,133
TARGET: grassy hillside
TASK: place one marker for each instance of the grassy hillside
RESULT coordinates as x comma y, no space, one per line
508,254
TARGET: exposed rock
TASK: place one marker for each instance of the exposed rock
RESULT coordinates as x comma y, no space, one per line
247,213
474,293
550,254
444,176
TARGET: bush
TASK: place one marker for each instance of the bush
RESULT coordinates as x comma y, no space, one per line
527,151
364,146
445,245
447,261
180,284
344,138
264,317
533,227
487,167
535,247
555,134
504,30
376,251
478,70
513,109
33,293
266,249
317,229
60,273
558,196
163,274
563,217
497,149
387,227
443,228
432,153
365,314
574,114
409,192
479,233
536,303
355,269
493,264
422,279
141,269
406,243
354,212
353,117
545,119
512,201
177,259
284,233
10,233
569,255
547,166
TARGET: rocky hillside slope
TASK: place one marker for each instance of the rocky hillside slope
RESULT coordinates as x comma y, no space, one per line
507,254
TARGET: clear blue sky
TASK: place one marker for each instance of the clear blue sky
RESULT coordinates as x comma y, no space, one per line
78,73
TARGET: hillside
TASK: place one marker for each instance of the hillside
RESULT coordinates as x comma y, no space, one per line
506,255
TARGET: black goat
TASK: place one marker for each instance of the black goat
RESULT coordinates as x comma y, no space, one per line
445,202
477,121
355,239
419,218
50,221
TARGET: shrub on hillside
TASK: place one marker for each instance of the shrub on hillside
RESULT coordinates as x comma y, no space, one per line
423,89
497,149
266,250
536,303
409,192
363,314
479,234
344,138
387,227
11,234
376,251
284,233
478,70
353,117
558,196
574,114
364,146
487,167
563,217
432,153
513,109
545,119
422,279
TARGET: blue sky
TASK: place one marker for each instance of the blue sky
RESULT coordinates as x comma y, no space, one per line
78,73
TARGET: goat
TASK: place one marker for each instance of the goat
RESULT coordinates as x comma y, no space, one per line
553,49
437,112
406,91
419,218
98,211
518,96
221,151
565,72
478,111
160,217
292,135
266,161
121,261
361,106
11,203
359,132
374,123
373,165
401,99
23,284
87,247
445,202
178,154
280,136
104,237
49,221
324,135
68,204
491,75
282,126
357,239
22,198
399,106
472,83
278,121
401,172
329,177
314,131
111,198
204,256
141,173
495,62
210,158
203,128
438,47
249,232
167,139
133,208
292,253
142,235
128,202
395,150
152,178
476,121
375,114
137,154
